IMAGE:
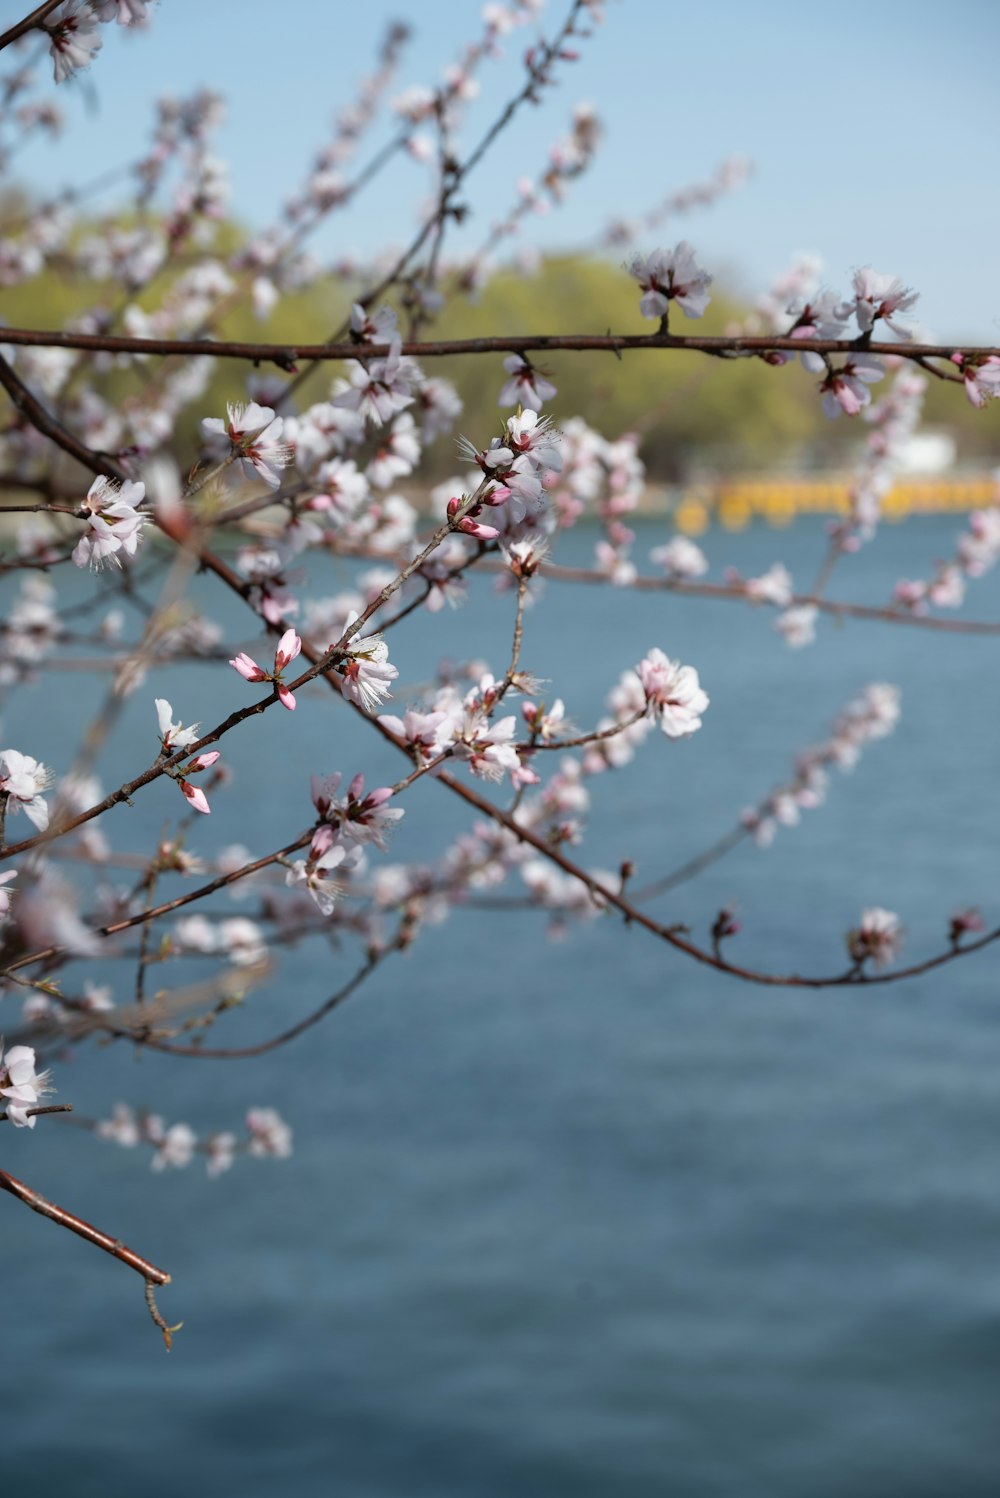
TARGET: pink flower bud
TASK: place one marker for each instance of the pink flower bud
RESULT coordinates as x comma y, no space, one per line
203,761
288,648
481,532
247,667
196,796
379,796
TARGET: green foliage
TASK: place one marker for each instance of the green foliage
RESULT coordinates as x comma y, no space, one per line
695,414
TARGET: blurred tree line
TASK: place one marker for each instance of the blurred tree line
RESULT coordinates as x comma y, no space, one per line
696,415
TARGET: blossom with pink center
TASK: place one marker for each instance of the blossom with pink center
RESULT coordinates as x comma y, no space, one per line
545,724
426,735
846,389
114,524
73,38
823,316
21,1087
878,296
372,327
673,694
289,647
487,749
22,780
526,387
253,433
532,436
671,275
982,378
321,871
383,388
369,819
366,672
878,935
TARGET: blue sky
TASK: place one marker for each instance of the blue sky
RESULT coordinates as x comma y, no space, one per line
871,126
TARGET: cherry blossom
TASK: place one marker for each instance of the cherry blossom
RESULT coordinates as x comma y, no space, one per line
176,1148
73,38
425,734
398,455
773,586
870,716
114,524
877,296
20,1086
878,935
382,389
982,377
319,872
526,387
671,275
6,894
173,736
680,558
821,316
846,389
269,1133
366,672
373,327
534,437
673,694
122,1127
368,819
22,780
254,436
545,723
798,625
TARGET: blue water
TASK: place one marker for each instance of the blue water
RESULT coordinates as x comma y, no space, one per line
568,1218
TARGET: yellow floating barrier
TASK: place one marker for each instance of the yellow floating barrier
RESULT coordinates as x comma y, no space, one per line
735,503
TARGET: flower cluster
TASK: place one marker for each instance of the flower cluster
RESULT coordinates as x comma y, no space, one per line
174,738
977,550
870,716
289,647
176,1145
345,826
